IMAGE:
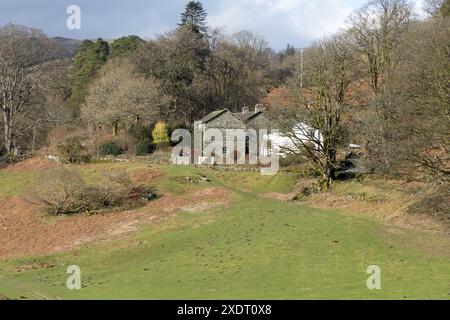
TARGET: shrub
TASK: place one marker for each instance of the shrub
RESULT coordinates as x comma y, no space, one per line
142,134
60,190
144,146
63,191
160,135
104,144
115,187
73,150
110,149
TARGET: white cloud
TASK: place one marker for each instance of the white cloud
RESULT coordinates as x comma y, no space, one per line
283,20
297,22
419,4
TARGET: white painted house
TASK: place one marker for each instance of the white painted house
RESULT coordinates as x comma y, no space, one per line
301,131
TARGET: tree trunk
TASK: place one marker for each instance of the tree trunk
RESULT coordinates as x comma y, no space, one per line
328,175
33,143
115,128
8,132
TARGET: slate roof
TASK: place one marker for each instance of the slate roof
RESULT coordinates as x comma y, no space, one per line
213,115
244,117
247,116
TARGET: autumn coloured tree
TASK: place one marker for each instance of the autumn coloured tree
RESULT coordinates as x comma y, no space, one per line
160,135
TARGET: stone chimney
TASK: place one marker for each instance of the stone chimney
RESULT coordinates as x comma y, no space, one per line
259,108
244,110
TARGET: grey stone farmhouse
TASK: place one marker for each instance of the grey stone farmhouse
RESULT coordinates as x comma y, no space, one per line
225,119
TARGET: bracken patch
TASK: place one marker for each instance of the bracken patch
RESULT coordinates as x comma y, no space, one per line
24,232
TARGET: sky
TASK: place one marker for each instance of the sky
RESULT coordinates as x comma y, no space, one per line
297,22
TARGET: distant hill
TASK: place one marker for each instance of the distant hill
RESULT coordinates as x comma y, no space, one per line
70,45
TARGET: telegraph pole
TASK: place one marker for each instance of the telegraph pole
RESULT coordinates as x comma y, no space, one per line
301,68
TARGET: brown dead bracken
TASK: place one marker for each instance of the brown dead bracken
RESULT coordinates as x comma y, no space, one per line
26,230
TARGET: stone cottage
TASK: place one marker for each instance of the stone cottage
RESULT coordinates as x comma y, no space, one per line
225,119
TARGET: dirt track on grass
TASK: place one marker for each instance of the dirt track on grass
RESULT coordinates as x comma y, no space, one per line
26,230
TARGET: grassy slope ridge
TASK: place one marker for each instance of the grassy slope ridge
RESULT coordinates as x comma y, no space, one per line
254,248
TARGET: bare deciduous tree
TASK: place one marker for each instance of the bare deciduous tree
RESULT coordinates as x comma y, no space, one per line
377,30
249,40
321,106
121,96
235,75
176,59
422,97
433,7
437,7
22,50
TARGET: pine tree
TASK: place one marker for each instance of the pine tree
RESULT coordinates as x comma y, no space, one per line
290,50
125,46
89,59
194,18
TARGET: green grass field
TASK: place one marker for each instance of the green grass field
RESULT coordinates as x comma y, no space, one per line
253,248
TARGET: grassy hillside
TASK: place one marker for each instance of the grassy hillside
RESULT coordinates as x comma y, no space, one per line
250,248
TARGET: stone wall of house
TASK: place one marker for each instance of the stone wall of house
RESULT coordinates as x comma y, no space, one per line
224,122
229,121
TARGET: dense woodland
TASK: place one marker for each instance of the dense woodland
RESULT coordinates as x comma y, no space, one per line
382,83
